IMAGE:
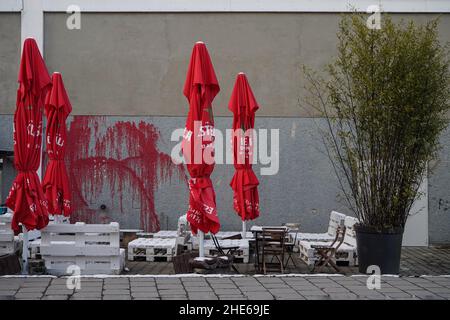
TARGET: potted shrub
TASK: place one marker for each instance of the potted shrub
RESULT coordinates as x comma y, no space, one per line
385,99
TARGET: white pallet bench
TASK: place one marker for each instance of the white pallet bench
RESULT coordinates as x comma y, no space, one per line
152,249
165,234
8,242
346,253
34,248
94,248
240,255
336,219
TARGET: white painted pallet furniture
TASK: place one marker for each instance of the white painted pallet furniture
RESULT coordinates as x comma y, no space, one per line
34,247
336,219
165,234
240,255
346,253
7,243
94,248
151,249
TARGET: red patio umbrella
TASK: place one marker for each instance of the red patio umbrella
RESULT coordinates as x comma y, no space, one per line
26,197
244,183
56,182
200,88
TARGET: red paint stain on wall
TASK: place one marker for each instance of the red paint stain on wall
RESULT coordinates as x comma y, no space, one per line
121,159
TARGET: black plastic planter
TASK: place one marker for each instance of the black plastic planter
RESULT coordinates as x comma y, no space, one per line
382,249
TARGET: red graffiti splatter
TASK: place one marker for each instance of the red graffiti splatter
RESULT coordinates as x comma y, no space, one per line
123,159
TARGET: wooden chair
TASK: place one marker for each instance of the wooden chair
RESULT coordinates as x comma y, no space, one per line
226,251
273,240
291,243
327,252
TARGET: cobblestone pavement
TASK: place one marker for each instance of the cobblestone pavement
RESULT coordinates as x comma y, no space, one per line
225,288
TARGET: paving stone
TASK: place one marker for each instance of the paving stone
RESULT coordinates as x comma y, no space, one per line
59,292
196,284
89,289
439,290
35,284
325,297
224,285
116,280
84,298
4,287
116,297
282,291
174,298
88,293
198,289
152,298
232,298
170,287
265,280
219,280
7,292
290,297
144,294
167,281
252,289
55,297
202,296
335,290
227,291
342,296
116,292
398,295
32,289
312,293
305,288
274,285
29,295
171,292
259,296
144,289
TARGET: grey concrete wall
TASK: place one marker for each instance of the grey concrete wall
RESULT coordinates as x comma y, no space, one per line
439,194
9,60
304,190
132,63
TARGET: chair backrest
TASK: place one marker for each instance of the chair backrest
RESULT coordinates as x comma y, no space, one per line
350,234
336,219
293,228
274,236
339,238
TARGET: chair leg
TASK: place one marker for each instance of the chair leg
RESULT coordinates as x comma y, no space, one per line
281,264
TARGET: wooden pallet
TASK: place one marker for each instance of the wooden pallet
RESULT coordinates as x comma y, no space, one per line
152,249
7,244
240,255
94,248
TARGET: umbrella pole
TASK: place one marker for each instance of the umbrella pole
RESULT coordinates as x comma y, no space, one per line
25,250
201,244
244,228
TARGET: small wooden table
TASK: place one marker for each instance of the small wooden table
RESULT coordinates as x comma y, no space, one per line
257,230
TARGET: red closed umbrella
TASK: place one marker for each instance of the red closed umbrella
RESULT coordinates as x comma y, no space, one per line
244,183
26,197
200,88
56,182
